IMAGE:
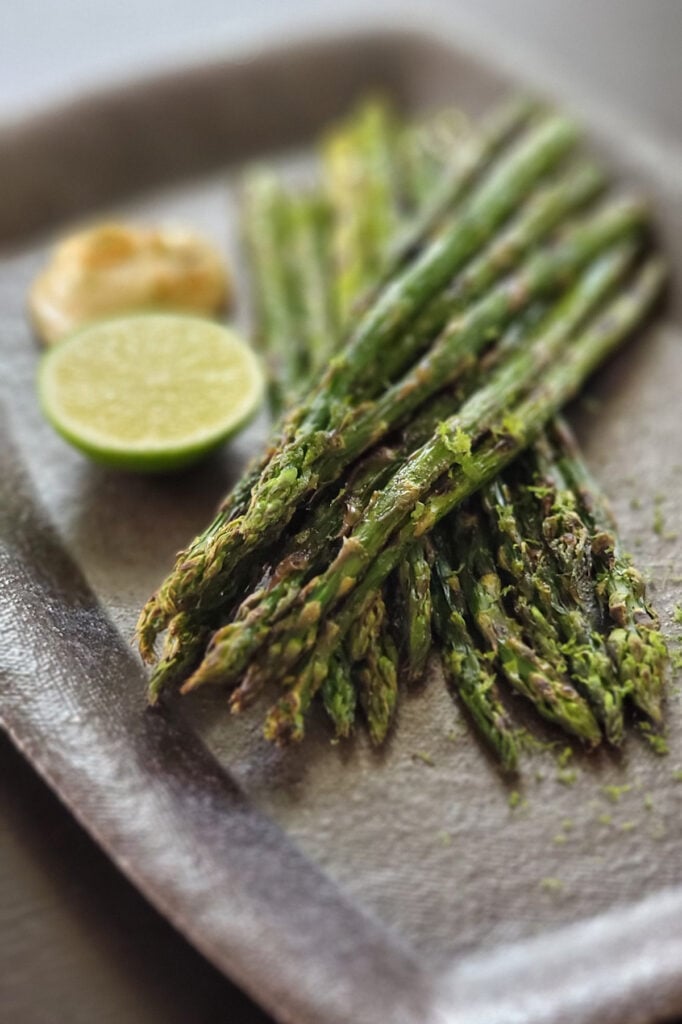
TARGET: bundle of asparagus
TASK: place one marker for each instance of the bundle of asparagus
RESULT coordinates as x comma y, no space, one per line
452,303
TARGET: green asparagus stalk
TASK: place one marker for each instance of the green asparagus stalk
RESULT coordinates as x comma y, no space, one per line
364,630
285,237
545,593
544,210
508,437
427,150
289,258
530,675
450,445
448,358
350,194
339,695
469,673
213,558
359,176
269,229
310,258
234,645
513,336
364,199
420,169
337,691
565,530
442,450
519,554
182,628
378,678
374,658
637,646
413,584
184,648
456,180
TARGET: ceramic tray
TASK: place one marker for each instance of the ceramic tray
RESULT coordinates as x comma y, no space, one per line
334,884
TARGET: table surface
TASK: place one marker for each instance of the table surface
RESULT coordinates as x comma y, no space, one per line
77,942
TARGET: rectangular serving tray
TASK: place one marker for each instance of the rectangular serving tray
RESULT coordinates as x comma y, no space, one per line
334,884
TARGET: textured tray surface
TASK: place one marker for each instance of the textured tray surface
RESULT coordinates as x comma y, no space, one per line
372,871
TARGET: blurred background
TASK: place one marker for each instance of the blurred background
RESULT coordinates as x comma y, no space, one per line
77,943
628,50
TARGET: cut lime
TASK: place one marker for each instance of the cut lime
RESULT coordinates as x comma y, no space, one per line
150,392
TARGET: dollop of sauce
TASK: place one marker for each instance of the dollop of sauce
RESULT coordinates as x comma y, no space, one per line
110,269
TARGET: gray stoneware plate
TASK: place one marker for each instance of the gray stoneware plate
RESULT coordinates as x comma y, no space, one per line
333,884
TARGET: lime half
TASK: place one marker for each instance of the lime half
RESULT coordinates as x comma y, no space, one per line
150,392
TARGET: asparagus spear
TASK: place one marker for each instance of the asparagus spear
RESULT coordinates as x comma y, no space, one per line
337,656
286,240
429,149
181,626
467,669
184,648
360,240
553,696
450,445
269,229
234,645
364,200
339,696
421,169
545,595
374,657
414,601
316,324
457,179
213,557
359,177
442,450
518,554
542,212
378,678
565,530
512,433
636,644
206,575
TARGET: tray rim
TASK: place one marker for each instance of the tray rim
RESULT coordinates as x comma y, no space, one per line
459,35
473,975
